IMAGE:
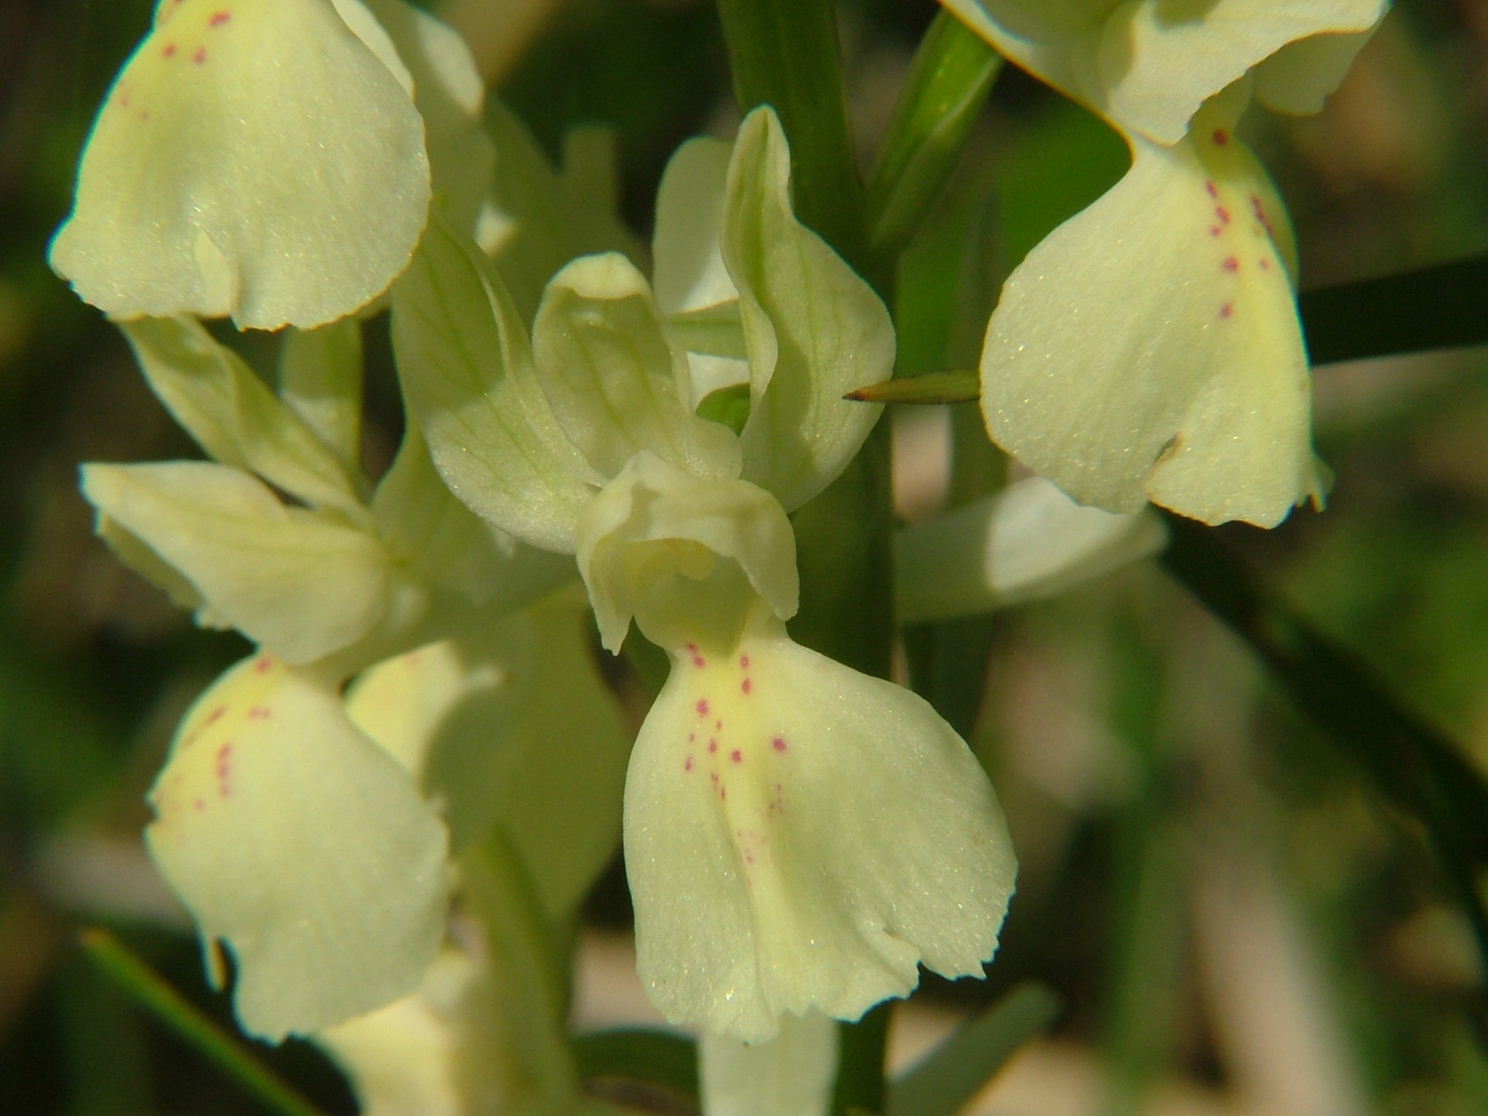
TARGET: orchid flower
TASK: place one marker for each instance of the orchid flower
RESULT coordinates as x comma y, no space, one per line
280,821
1149,348
798,836
513,734
271,160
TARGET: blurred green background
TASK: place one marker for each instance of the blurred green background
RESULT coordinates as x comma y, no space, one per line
1233,918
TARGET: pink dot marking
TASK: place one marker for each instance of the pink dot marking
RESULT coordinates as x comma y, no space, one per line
224,768
712,746
260,713
1220,137
1215,230
1227,310
264,665
1260,211
199,56
1213,189
1223,214
737,756
199,805
778,743
1265,264
1231,264
691,736
219,18
697,658
743,662
687,764
165,52
702,707
745,685
216,713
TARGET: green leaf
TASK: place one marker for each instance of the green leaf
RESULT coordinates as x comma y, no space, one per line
1411,764
948,83
954,1071
150,990
661,1058
1434,308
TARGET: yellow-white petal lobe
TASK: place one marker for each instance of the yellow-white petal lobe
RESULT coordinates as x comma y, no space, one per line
430,1052
813,328
616,381
475,720
305,847
254,158
1149,348
298,582
1148,65
449,95
1160,61
689,269
1298,78
466,367
1026,542
232,415
682,554
790,1075
799,836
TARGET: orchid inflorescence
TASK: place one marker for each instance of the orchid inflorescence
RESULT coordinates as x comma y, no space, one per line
420,742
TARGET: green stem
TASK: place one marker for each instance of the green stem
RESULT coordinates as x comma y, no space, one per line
785,53
180,1015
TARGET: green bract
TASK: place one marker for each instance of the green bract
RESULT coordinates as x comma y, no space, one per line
1149,348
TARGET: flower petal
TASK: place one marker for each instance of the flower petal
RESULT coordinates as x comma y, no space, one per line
790,1075
302,844
466,366
1149,347
287,578
813,329
1148,65
450,95
799,836
1027,542
257,160
1161,60
616,381
435,1051
673,550
511,726
227,409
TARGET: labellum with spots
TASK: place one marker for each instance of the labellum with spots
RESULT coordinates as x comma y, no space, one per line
1149,348
798,836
